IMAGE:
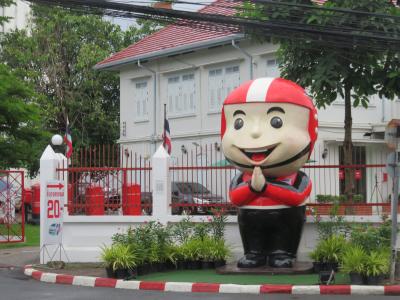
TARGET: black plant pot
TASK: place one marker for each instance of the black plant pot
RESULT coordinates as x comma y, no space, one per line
375,280
317,266
194,265
325,276
169,265
143,269
122,273
110,272
219,263
207,265
356,278
153,267
161,267
325,266
181,265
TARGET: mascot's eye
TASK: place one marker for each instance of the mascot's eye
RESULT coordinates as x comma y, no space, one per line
276,122
238,123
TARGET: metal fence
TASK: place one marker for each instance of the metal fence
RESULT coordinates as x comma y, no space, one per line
12,223
114,180
201,179
108,180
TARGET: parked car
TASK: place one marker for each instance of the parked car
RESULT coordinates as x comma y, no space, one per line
188,197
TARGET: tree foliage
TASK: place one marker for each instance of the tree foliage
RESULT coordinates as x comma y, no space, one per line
21,135
57,56
329,70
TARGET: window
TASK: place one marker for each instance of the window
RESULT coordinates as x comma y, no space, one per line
272,69
181,93
359,158
141,101
221,82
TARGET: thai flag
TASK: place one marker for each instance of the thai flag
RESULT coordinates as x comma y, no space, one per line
167,137
68,140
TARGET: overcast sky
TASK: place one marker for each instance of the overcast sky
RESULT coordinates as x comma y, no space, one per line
125,23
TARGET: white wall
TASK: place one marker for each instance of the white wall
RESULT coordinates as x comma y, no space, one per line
19,14
203,126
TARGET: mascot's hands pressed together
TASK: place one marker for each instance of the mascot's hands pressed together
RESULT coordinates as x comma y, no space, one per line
268,130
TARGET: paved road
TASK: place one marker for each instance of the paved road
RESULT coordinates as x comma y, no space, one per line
15,285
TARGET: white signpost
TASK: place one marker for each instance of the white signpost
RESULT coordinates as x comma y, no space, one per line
52,215
55,193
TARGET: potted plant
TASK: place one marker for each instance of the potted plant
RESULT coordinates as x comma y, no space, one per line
206,253
190,251
376,267
327,255
353,263
221,253
107,256
120,261
171,257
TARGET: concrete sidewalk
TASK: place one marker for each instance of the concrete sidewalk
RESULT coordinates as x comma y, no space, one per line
19,257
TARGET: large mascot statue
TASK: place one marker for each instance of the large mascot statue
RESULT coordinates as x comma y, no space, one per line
268,130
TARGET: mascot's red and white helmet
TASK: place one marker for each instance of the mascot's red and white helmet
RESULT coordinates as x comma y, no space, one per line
273,90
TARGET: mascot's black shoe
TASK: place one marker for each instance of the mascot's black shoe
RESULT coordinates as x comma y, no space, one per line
252,260
281,260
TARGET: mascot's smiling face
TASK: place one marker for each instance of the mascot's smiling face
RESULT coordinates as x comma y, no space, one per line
270,123
273,136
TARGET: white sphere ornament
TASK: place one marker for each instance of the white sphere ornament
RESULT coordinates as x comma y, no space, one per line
56,140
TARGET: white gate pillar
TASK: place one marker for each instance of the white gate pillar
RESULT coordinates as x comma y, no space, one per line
161,185
49,162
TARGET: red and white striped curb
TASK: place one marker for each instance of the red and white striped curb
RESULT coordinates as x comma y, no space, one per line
190,287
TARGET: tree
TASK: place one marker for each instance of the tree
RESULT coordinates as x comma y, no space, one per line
331,69
57,56
21,135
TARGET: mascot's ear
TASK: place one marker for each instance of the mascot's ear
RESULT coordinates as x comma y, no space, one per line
223,123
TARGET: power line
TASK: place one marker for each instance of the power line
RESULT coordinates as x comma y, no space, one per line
336,36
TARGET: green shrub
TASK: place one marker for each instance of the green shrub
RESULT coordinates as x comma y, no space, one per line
377,263
372,237
329,250
119,256
221,250
358,198
190,250
183,230
353,260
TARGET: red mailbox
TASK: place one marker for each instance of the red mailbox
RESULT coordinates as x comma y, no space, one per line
35,201
131,200
27,196
94,201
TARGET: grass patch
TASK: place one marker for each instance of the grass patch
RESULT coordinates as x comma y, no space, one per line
32,237
209,276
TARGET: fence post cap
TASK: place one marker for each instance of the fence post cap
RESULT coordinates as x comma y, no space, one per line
48,153
161,153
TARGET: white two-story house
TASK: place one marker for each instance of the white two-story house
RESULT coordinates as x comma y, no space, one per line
192,70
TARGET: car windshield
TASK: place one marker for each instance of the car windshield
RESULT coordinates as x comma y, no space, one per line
192,188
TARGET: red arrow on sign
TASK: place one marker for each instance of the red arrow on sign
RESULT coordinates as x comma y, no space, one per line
59,186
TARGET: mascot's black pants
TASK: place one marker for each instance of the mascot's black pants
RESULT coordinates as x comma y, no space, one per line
271,231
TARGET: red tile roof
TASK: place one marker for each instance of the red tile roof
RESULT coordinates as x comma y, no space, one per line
173,36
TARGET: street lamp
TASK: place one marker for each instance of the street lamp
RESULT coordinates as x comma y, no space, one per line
56,140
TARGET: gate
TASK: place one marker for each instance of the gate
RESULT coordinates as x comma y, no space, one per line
12,222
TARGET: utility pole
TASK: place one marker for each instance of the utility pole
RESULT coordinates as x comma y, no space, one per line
392,137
